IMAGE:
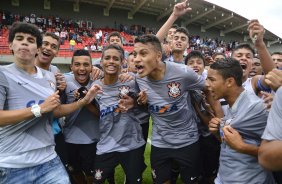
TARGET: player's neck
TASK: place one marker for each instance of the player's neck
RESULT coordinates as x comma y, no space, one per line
44,66
159,72
109,79
27,66
233,94
178,57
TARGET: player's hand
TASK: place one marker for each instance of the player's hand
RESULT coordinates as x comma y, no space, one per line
142,98
90,95
125,77
232,138
96,73
256,32
181,8
50,103
214,125
125,103
61,81
274,79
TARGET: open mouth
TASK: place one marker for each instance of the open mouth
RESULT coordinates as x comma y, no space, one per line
178,45
196,70
82,77
139,68
252,73
243,66
111,68
46,54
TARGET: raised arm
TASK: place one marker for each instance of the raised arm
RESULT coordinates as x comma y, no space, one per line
178,10
256,33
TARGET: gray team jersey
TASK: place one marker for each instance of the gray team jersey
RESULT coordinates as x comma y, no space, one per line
81,126
202,128
274,127
120,132
54,69
172,115
248,116
30,142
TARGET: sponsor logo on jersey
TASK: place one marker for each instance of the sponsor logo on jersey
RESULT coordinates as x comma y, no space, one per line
109,110
33,102
163,109
174,89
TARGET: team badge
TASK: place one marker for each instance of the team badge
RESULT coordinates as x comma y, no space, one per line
174,89
123,90
98,174
52,84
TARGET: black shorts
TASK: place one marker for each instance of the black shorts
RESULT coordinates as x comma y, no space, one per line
61,148
132,163
210,150
81,157
188,159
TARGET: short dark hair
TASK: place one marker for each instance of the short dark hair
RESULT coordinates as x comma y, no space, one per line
194,54
244,46
22,27
218,53
81,52
115,33
116,47
52,35
175,26
231,68
152,39
276,53
182,30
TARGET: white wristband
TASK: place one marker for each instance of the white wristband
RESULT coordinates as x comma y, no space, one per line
36,110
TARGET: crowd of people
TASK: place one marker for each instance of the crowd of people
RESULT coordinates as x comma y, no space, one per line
77,34
215,119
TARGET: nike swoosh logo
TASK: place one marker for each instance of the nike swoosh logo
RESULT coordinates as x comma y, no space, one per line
72,90
22,83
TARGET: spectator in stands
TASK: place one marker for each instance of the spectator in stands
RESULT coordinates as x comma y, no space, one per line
72,44
277,58
27,117
93,48
63,36
241,128
218,57
79,39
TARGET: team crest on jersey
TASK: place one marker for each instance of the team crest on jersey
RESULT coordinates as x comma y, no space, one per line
98,174
123,90
174,89
52,84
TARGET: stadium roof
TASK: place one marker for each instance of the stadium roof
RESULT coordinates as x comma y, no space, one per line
204,14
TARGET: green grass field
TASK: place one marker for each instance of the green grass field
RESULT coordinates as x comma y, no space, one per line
147,178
